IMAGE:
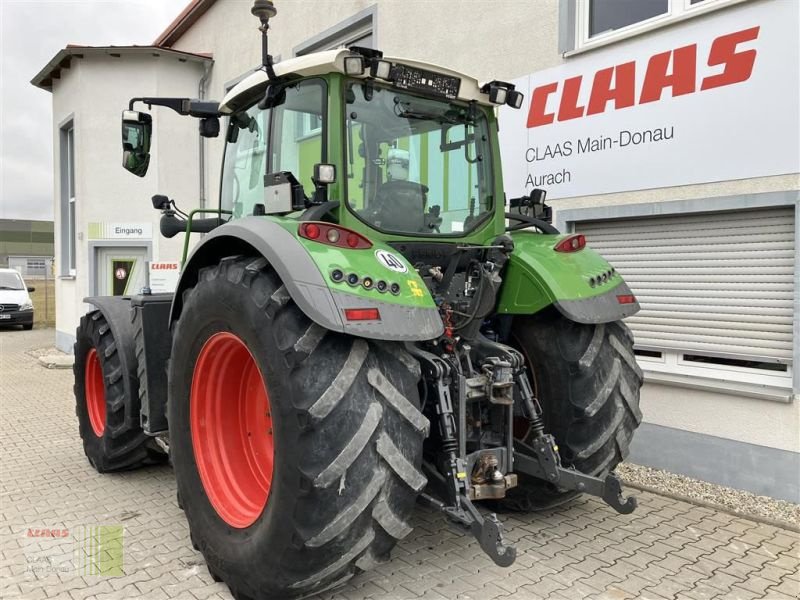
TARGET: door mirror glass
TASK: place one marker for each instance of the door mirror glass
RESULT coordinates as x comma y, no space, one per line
137,128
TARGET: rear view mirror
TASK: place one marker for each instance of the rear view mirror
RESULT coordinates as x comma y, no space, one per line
137,128
31,289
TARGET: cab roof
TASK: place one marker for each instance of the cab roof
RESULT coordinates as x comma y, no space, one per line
332,61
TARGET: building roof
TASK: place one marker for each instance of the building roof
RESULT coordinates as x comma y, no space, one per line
188,16
63,59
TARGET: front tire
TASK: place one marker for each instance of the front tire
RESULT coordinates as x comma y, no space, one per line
587,382
328,437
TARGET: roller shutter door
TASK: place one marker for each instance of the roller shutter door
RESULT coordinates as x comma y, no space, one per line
716,284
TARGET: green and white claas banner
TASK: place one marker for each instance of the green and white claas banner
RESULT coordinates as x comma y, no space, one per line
713,98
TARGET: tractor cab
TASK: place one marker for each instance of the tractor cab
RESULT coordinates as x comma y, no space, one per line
404,149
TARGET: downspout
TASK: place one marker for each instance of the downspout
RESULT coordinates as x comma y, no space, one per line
201,94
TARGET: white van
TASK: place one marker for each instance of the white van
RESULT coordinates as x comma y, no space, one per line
16,306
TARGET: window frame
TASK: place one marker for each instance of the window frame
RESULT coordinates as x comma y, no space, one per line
67,208
324,83
480,222
343,34
678,10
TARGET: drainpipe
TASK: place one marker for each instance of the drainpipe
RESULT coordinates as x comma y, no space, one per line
201,94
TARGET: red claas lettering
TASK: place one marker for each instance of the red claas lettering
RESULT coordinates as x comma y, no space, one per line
674,71
738,66
658,76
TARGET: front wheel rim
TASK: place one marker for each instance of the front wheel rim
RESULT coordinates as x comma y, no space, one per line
95,393
231,427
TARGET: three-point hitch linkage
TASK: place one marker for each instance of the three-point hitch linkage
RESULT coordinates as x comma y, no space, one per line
503,376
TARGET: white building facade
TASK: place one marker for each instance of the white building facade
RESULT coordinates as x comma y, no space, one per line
666,130
106,230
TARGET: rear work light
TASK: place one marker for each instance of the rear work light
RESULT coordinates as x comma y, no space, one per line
333,235
626,298
362,314
571,243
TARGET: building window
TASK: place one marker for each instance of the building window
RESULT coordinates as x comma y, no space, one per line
716,291
599,22
358,30
606,16
71,197
68,227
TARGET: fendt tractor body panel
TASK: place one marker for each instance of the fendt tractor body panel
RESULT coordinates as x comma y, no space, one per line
326,281
582,285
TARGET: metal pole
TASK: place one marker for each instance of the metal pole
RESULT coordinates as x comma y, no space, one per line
46,296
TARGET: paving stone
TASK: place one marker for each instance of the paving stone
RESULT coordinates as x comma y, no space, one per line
614,593
600,580
789,540
634,584
756,583
702,592
786,562
789,587
722,581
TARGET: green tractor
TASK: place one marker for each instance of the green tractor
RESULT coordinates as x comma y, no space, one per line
362,327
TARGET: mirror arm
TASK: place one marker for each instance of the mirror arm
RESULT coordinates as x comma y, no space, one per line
182,106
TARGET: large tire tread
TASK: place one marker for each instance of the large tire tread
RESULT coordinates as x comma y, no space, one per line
123,446
588,382
356,464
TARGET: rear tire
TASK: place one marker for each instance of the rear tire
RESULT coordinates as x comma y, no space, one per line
587,382
346,437
109,442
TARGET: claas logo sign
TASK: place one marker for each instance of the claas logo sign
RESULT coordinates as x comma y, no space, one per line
675,70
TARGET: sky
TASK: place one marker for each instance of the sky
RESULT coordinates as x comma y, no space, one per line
31,33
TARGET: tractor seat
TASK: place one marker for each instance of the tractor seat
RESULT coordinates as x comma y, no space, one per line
400,205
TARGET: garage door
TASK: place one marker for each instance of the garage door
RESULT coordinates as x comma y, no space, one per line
714,284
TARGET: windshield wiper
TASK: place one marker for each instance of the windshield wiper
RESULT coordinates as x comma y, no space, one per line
416,114
5,287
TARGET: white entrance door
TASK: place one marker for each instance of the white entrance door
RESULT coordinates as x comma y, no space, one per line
120,271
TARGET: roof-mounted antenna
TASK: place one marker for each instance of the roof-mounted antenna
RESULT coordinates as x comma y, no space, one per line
265,10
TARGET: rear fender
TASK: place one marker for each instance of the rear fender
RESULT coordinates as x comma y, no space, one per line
537,276
304,268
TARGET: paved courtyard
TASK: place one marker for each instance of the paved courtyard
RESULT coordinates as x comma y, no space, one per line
50,497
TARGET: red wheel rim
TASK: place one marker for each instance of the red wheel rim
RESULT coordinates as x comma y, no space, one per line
95,393
231,430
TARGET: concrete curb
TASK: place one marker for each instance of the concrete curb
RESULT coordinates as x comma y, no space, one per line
718,507
56,361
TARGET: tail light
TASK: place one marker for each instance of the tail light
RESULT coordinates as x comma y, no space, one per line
333,235
362,314
571,243
626,298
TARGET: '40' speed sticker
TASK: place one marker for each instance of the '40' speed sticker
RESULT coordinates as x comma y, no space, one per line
390,261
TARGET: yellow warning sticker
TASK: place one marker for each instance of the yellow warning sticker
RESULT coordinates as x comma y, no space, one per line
416,290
